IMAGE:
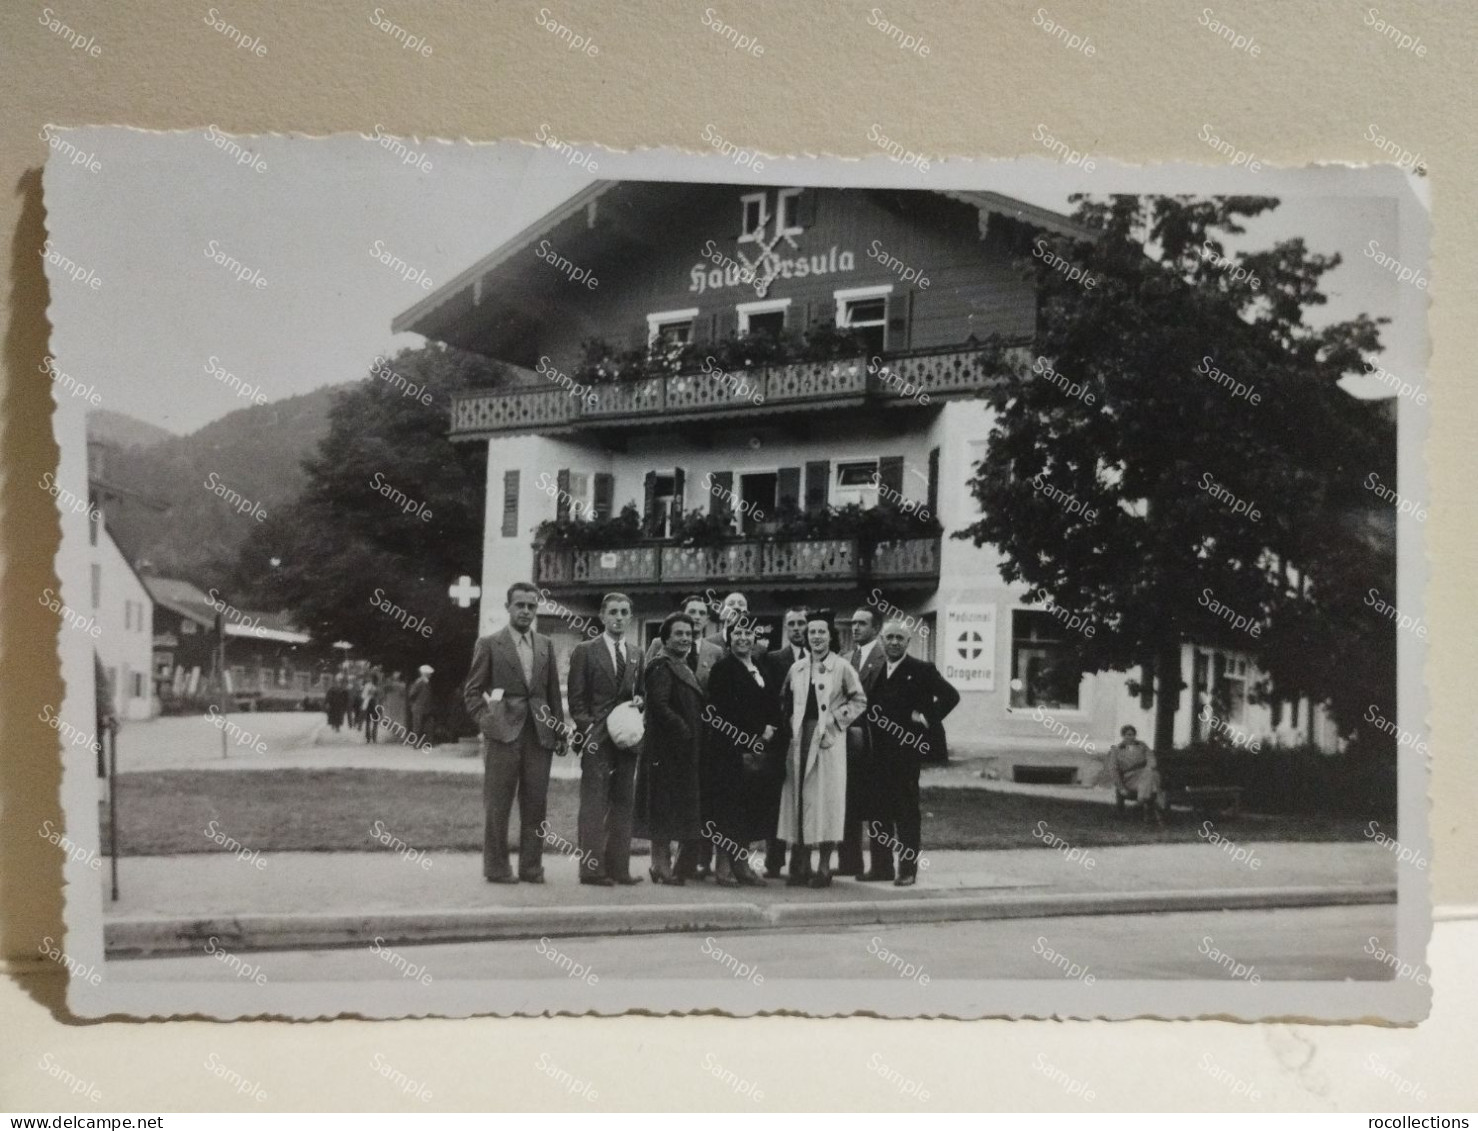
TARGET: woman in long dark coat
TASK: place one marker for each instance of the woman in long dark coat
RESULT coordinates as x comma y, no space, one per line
336,702
667,783
740,758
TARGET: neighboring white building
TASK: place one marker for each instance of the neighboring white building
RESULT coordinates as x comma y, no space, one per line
124,613
791,438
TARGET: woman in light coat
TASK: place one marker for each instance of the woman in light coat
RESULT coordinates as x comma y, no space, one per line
823,696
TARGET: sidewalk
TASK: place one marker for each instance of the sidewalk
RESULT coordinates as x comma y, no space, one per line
173,904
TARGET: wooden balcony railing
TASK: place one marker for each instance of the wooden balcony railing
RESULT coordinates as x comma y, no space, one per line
826,561
940,374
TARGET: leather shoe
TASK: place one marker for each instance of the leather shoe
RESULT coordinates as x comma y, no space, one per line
821,878
797,880
510,879
598,881
532,877
905,881
872,877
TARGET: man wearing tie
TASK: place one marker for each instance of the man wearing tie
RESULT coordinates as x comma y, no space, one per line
512,693
866,658
604,672
908,698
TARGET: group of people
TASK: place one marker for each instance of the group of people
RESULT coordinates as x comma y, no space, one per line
737,746
369,700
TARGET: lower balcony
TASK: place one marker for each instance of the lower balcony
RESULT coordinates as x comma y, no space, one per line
831,563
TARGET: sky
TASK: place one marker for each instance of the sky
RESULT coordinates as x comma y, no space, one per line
152,213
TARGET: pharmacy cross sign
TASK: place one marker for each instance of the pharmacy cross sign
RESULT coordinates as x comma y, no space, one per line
464,592
970,644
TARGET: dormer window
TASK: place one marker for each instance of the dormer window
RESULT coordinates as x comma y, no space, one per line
788,208
756,216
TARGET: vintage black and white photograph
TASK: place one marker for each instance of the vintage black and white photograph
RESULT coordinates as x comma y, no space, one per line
509,578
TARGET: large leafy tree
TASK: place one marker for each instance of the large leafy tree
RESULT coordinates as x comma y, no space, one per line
1124,508
349,546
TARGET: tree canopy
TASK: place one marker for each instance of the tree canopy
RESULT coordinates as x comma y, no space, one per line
1173,457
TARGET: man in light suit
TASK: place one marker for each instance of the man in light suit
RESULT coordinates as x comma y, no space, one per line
866,658
604,672
908,701
704,653
512,693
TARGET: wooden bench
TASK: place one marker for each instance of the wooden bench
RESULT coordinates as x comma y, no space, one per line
1202,783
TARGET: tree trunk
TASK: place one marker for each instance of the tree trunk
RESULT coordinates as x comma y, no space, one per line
1168,686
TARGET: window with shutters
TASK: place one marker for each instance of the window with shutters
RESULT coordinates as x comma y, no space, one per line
788,208
671,327
855,482
766,317
510,504
864,310
662,499
755,215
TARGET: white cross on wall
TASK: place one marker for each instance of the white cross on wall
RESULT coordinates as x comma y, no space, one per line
464,592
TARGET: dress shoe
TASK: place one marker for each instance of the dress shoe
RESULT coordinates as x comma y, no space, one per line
905,881
821,878
626,881
872,877
797,880
665,876
598,881
509,879
532,877
772,873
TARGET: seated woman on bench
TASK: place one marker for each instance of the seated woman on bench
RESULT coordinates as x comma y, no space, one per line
1135,773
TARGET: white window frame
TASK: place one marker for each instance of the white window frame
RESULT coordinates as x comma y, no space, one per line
780,198
1086,685
764,202
859,495
660,318
853,294
768,306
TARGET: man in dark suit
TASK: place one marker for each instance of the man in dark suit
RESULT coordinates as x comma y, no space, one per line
512,693
704,653
907,700
604,672
776,665
866,657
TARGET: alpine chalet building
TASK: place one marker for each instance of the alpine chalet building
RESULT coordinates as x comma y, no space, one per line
720,384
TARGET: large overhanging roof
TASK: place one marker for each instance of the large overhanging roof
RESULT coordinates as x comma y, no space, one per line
431,315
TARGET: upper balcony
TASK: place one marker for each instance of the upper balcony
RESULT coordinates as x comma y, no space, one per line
755,561
936,374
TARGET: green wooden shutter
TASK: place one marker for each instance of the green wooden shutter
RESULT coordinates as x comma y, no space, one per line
900,307
934,483
510,503
818,484
890,476
649,503
604,493
721,493
788,489
562,499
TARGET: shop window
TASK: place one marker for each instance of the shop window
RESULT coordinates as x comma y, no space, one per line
1045,671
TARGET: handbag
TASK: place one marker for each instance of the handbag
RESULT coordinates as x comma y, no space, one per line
626,725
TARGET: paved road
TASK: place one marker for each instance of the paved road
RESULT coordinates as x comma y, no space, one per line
1309,944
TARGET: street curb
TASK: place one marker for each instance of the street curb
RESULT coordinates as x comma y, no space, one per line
163,936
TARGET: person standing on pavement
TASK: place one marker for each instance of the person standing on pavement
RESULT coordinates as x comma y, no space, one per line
824,696
604,673
356,686
369,703
866,658
336,702
668,797
908,700
776,664
393,707
512,694
420,702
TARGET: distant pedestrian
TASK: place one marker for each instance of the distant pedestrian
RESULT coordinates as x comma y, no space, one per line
420,701
336,702
1135,773
369,709
393,708
356,686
